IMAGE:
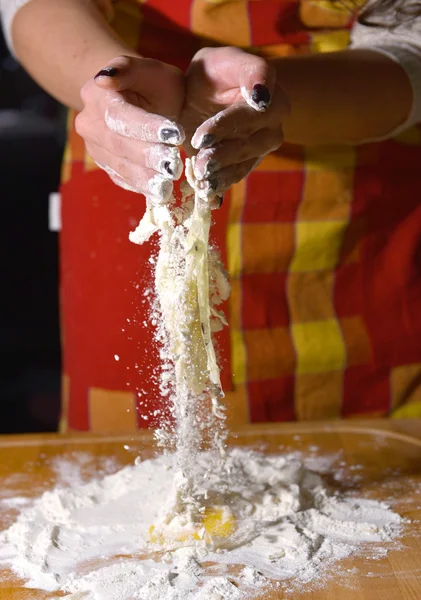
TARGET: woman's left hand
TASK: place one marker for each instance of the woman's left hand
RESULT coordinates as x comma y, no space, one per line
232,115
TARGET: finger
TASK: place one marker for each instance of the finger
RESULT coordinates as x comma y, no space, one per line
161,158
133,122
230,152
257,82
126,119
218,183
233,68
165,160
156,84
117,180
237,122
119,75
136,178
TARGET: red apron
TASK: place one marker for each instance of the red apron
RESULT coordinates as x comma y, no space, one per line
322,246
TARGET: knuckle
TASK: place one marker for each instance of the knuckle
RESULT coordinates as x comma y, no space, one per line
261,62
80,124
153,63
85,92
202,53
124,60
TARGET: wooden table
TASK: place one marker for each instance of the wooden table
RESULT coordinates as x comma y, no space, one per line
385,456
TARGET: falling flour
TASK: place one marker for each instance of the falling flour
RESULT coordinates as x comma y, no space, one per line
190,284
200,522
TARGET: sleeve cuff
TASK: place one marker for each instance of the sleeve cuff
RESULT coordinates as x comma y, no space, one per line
410,61
8,9
401,44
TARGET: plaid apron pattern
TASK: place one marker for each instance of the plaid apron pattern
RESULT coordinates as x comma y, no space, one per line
322,246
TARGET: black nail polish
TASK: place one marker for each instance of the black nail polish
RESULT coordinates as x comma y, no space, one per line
107,72
211,167
207,140
167,167
260,95
170,134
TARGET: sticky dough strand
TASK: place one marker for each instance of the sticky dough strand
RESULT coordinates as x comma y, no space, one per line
197,268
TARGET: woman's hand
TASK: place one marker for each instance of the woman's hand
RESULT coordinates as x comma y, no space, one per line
232,115
129,124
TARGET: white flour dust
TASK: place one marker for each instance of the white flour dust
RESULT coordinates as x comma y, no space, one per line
190,284
279,522
202,522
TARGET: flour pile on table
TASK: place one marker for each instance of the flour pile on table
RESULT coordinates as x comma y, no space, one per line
279,522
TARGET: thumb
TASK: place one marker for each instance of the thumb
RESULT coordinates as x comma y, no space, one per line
257,82
118,75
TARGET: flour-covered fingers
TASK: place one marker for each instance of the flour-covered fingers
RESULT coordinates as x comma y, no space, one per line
234,71
239,121
128,108
129,123
130,176
230,152
161,158
138,124
125,118
164,159
218,183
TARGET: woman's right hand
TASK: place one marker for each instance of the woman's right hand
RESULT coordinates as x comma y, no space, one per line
129,124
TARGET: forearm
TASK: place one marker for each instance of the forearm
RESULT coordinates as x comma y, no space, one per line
62,43
343,97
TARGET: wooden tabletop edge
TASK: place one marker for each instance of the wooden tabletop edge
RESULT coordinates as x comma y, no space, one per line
405,427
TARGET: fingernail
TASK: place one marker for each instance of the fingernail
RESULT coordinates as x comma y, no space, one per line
160,188
207,140
260,95
107,72
167,167
211,166
169,135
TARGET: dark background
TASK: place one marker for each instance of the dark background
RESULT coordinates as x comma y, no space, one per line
32,133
